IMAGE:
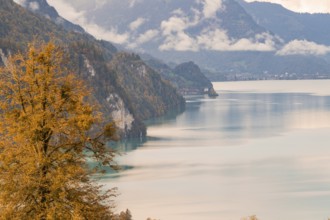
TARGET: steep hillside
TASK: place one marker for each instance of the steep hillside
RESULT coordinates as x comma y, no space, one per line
197,81
288,24
186,77
91,59
42,7
149,95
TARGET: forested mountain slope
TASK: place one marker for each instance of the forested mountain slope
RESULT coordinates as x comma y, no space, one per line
94,61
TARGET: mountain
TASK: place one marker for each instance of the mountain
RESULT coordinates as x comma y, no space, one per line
42,7
115,77
227,38
190,71
149,95
186,86
164,27
186,77
288,24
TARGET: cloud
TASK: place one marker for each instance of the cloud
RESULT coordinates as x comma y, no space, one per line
260,42
21,2
143,38
218,40
78,17
34,6
136,24
147,36
111,35
211,7
177,24
132,3
179,42
100,3
67,11
303,47
310,6
178,12
173,30
177,37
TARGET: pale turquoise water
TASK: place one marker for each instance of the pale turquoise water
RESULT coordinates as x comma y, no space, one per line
259,148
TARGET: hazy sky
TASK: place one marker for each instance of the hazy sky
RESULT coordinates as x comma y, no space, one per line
312,6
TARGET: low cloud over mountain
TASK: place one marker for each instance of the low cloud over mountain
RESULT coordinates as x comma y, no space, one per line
172,33
303,47
221,35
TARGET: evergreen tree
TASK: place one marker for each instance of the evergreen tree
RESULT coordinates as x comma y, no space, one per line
49,129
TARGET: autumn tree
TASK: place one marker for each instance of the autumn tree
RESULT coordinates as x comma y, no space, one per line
123,215
252,217
49,130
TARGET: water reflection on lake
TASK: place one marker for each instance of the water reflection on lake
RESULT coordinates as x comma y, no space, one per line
259,148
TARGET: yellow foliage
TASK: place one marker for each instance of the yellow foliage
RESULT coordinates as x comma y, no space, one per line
252,217
48,128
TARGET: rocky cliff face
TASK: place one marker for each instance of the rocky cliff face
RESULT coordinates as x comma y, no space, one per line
150,96
127,89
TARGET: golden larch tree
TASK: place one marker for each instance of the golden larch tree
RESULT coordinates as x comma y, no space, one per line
49,130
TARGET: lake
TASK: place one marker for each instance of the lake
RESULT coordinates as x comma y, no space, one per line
259,148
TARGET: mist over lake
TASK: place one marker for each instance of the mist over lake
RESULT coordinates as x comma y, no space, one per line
259,148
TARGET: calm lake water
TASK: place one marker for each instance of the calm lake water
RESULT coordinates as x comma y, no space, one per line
259,148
